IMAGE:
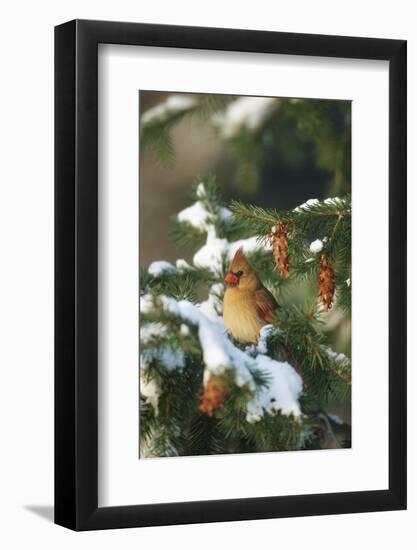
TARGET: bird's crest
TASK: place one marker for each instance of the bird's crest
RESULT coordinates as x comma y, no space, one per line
239,262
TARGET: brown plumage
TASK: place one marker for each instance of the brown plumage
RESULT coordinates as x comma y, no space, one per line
248,305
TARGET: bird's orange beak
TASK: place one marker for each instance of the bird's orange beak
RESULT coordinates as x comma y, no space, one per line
231,278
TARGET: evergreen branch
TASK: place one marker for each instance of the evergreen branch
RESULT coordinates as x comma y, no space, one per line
179,426
339,207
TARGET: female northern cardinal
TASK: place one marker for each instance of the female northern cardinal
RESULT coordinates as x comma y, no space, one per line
248,305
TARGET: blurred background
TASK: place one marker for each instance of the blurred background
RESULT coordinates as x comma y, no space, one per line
272,152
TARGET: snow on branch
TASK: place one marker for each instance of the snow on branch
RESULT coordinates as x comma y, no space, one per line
216,250
154,338
156,269
283,385
172,105
249,113
205,216
199,217
316,246
306,205
332,207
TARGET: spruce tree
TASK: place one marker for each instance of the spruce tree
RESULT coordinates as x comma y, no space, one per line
203,393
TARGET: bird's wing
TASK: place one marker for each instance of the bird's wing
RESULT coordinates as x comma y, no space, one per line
266,304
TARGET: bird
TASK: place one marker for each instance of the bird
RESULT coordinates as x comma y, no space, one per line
247,304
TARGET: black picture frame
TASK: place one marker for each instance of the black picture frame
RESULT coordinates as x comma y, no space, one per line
76,272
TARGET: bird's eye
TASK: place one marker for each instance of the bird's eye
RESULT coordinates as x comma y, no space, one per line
239,273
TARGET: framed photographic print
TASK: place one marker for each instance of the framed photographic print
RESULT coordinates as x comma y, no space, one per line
230,275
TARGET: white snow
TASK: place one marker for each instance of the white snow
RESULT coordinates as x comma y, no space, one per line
173,104
215,251
150,390
210,256
337,201
306,205
348,281
215,353
184,329
224,214
264,334
196,215
336,419
284,388
316,246
156,269
146,304
335,356
182,265
213,306
246,112
251,244
171,358
163,352
152,330
211,332
332,201
201,190
221,355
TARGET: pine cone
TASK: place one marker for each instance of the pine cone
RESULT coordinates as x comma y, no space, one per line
211,397
327,284
279,241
